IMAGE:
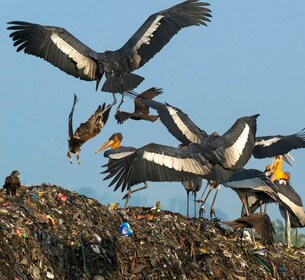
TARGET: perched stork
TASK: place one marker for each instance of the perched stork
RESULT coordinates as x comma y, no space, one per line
217,160
260,222
86,130
63,50
12,183
141,111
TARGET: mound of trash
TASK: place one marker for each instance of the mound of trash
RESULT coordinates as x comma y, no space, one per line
48,232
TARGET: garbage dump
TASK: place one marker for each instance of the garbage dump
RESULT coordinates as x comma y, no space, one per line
49,232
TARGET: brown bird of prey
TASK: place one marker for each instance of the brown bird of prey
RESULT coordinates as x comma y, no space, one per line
12,183
141,111
86,130
259,221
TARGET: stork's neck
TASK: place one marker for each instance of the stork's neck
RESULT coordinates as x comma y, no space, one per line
116,145
278,172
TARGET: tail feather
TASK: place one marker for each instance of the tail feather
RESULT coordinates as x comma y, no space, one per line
122,83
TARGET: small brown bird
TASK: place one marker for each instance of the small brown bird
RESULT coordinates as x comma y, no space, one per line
12,183
259,221
141,111
87,130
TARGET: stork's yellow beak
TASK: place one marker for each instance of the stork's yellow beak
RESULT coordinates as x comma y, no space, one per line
105,145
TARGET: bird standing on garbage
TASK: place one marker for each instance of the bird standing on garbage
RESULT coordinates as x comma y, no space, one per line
86,130
63,50
12,183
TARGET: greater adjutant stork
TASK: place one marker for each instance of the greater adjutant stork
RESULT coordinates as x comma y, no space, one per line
86,130
63,50
217,160
116,152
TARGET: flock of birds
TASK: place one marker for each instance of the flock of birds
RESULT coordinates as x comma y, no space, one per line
219,159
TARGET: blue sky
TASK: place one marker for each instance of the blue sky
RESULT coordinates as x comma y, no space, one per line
250,59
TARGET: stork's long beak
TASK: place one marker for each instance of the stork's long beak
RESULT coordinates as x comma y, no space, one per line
286,159
105,145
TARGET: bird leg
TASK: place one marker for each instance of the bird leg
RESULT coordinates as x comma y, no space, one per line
245,204
110,105
77,157
129,192
288,226
195,194
187,202
203,201
212,211
122,101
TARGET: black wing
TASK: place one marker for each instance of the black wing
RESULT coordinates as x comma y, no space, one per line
160,27
271,146
151,93
57,46
238,142
250,179
159,163
94,124
178,123
71,117
260,222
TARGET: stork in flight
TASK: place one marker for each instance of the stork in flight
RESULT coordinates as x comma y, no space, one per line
57,46
86,130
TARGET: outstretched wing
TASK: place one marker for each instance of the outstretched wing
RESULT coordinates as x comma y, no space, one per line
159,163
260,222
93,125
178,123
71,117
160,27
140,107
57,46
238,142
271,146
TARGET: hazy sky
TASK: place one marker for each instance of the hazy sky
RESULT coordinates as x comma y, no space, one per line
250,59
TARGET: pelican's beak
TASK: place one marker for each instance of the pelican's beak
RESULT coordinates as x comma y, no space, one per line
105,145
286,159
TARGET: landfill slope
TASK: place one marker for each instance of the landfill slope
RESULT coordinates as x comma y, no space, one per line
48,232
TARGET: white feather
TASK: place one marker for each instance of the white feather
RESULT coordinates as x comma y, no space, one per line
81,61
233,153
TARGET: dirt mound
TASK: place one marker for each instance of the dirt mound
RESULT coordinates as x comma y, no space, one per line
48,232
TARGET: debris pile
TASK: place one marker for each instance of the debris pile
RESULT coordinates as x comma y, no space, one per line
48,232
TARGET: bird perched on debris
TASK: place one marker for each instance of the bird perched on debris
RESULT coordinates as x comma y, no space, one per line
259,221
217,160
86,130
141,111
63,50
12,183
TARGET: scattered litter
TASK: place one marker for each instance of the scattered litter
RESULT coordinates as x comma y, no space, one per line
48,238
125,229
